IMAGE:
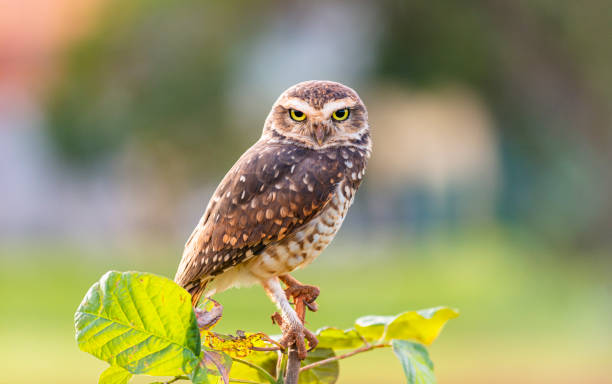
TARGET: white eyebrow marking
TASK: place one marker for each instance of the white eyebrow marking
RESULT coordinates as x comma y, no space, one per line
300,105
335,105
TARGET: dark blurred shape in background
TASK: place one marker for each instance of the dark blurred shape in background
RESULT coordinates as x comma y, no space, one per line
491,120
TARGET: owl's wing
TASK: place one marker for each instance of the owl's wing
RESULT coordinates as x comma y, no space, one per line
269,193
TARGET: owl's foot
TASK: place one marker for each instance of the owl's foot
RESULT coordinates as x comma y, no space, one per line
307,293
295,333
298,291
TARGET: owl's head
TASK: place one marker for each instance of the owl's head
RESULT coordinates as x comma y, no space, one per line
319,114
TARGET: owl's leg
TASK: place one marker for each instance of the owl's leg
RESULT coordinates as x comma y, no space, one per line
297,290
289,321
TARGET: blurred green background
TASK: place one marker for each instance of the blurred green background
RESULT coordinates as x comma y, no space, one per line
489,188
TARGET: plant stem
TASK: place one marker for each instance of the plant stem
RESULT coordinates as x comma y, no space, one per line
268,376
265,349
293,361
293,366
244,381
365,348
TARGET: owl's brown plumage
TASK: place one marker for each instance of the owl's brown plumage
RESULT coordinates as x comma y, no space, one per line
283,201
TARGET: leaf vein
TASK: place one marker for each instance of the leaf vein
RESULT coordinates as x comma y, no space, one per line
138,329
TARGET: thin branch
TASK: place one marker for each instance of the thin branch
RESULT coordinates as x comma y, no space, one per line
293,366
265,349
293,361
244,381
268,376
348,354
365,342
271,341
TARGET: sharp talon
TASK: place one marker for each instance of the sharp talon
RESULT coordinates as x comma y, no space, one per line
307,293
313,307
312,339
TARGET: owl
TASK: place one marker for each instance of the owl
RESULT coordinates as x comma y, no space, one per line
282,202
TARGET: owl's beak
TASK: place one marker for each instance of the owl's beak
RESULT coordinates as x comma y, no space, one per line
319,133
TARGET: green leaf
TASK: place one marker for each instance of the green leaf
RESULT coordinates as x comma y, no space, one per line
418,368
217,363
199,374
423,325
114,375
372,328
323,374
264,360
140,322
335,338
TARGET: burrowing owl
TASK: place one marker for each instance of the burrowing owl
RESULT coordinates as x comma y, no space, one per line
283,201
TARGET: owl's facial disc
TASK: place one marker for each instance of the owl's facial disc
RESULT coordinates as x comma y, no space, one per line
317,127
318,114
318,124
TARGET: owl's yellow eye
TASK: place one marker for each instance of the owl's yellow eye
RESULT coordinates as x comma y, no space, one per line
297,115
341,114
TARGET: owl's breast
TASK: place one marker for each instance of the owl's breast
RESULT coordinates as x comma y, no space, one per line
308,242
